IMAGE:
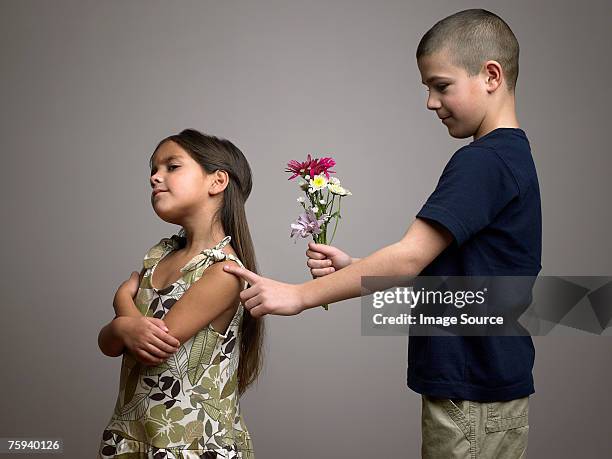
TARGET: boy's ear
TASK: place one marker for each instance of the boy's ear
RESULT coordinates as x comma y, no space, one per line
493,75
219,182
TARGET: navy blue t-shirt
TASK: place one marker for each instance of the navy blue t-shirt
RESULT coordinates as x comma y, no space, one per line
488,197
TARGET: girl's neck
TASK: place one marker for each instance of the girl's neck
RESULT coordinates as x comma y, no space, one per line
198,238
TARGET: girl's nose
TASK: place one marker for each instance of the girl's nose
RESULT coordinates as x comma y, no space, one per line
155,178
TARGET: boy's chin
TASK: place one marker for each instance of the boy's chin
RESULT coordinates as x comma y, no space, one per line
457,133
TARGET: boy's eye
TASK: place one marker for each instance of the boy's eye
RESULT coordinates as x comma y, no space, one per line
439,87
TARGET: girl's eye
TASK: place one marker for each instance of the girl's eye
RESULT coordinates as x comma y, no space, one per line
172,167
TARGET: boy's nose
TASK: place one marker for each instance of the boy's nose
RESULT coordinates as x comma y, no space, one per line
433,103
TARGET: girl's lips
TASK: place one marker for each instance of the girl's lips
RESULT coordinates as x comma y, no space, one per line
156,192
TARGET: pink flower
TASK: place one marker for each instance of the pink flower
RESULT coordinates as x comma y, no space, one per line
322,166
311,167
298,168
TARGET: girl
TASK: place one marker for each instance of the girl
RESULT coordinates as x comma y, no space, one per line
192,351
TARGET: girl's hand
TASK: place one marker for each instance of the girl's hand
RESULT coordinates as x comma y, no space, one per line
325,259
147,339
131,284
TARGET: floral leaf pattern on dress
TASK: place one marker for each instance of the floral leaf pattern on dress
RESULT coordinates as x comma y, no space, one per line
202,350
188,406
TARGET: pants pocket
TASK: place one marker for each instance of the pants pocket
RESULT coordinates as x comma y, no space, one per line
507,415
457,415
445,430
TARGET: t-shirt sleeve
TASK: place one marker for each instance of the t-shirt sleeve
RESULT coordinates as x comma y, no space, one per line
475,186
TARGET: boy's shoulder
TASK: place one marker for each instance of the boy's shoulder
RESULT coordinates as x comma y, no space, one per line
502,139
508,148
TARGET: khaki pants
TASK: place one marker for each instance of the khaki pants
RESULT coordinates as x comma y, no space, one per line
473,430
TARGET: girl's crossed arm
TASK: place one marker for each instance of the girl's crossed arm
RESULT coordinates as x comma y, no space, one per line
190,313
145,337
215,294
123,303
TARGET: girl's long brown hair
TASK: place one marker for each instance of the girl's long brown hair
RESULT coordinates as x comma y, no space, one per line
214,153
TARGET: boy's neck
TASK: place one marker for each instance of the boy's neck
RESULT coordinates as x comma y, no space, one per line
503,116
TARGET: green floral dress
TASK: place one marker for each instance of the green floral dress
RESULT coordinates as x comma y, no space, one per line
187,407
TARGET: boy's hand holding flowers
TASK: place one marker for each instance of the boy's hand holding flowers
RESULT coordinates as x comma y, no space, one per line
326,259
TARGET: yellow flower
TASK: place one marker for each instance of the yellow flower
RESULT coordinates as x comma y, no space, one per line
318,182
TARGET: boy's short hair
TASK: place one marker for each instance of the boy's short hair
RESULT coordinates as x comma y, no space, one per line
473,37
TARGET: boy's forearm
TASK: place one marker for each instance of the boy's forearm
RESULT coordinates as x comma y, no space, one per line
124,305
109,341
393,260
405,259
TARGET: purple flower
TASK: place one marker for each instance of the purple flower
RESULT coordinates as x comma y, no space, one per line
306,225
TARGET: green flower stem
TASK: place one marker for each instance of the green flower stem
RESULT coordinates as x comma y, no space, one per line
324,241
331,206
337,219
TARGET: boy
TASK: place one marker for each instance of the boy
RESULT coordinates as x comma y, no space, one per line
483,219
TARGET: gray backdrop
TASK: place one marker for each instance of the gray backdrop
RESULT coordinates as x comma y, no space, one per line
89,88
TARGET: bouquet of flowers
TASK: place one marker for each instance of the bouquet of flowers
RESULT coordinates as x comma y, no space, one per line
323,197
